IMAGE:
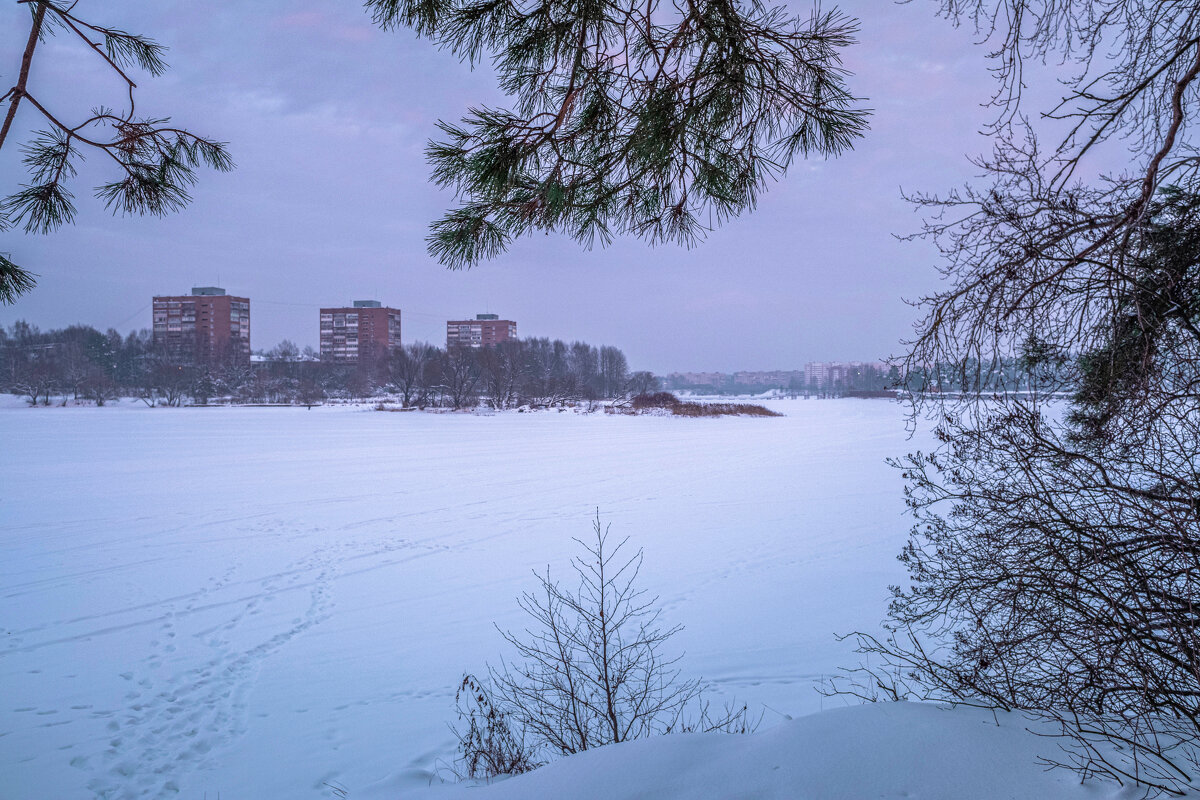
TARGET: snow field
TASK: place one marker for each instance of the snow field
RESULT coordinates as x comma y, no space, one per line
258,602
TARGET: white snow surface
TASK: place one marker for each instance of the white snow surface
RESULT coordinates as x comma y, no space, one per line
885,750
277,603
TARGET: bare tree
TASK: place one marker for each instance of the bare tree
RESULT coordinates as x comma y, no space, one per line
165,380
548,379
643,382
286,352
98,387
459,376
1063,559
614,371
1036,250
308,392
408,372
236,377
36,380
1055,563
592,669
502,368
1059,582
73,368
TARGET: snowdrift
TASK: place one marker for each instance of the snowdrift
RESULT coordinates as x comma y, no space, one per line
883,750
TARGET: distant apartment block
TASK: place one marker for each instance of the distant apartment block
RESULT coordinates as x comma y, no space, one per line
817,373
205,326
843,375
773,379
365,332
486,330
737,381
698,378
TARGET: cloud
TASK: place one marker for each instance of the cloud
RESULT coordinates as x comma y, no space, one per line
320,22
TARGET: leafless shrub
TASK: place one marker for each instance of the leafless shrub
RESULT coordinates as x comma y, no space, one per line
594,672
1061,579
730,718
591,671
488,744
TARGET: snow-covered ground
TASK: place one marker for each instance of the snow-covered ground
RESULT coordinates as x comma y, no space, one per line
888,750
258,602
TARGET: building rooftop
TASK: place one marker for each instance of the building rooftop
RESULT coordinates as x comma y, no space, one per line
207,291
487,316
368,304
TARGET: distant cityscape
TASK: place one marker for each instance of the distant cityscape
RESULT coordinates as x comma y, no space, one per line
199,348
211,326
817,376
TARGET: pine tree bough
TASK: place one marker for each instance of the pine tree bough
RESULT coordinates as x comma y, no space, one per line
651,119
14,281
156,162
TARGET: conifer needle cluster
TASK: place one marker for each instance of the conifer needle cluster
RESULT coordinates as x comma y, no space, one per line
658,120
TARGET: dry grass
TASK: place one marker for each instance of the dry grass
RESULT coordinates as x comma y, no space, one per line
655,400
665,400
721,410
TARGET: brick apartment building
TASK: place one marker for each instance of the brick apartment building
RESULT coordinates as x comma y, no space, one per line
204,327
365,332
486,330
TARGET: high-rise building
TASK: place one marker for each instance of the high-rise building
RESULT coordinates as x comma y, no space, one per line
206,326
841,375
486,330
365,332
816,373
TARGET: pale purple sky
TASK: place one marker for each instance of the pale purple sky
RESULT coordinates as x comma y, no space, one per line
327,118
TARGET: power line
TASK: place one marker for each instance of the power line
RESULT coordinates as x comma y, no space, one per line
131,316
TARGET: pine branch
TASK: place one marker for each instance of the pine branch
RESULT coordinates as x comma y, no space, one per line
14,281
630,119
157,161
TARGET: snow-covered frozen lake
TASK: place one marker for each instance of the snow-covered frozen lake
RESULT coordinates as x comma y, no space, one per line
256,602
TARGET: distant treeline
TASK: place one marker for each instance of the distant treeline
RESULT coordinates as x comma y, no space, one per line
1012,374
859,379
1023,373
80,362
